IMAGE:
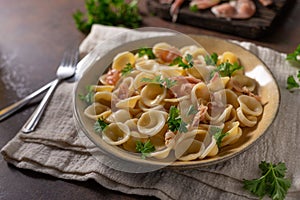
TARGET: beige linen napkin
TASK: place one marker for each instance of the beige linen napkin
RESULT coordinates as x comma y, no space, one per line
55,148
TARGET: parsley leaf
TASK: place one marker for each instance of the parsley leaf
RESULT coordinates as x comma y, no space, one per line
193,8
212,59
272,181
146,51
100,125
294,58
226,69
144,148
292,83
175,123
108,12
88,98
218,135
185,64
166,82
127,69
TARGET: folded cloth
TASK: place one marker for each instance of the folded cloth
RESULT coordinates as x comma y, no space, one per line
57,149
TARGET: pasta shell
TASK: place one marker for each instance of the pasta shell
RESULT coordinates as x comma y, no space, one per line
188,149
129,102
122,59
165,52
228,56
198,53
245,120
138,81
103,88
242,82
148,66
121,115
125,88
97,110
250,105
200,92
211,149
153,94
151,122
231,98
200,71
234,133
215,117
171,71
217,84
116,133
104,98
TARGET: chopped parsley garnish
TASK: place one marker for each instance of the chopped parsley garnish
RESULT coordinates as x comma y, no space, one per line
127,69
175,123
226,69
218,135
108,12
294,57
212,59
271,183
144,148
88,98
146,51
292,83
185,64
164,82
100,125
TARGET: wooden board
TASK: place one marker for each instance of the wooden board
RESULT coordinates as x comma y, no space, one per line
257,26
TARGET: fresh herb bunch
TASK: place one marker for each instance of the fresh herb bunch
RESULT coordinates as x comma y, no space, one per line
272,181
144,148
294,58
292,84
108,12
175,123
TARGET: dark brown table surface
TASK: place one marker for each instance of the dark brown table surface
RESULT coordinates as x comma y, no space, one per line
33,36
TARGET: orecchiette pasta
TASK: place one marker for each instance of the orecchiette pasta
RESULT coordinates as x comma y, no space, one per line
176,102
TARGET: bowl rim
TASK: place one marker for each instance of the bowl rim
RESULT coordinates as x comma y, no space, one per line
186,164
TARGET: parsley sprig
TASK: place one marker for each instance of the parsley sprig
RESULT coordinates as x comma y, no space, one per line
292,84
218,135
164,82
108,12
100,125
212,59
175,123
272,181
226,69
294,58
144,148
88,98
127,69
186,63
146,51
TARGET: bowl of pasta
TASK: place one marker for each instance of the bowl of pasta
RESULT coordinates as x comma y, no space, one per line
168,101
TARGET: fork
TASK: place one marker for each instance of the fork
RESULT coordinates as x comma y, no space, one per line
65,70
